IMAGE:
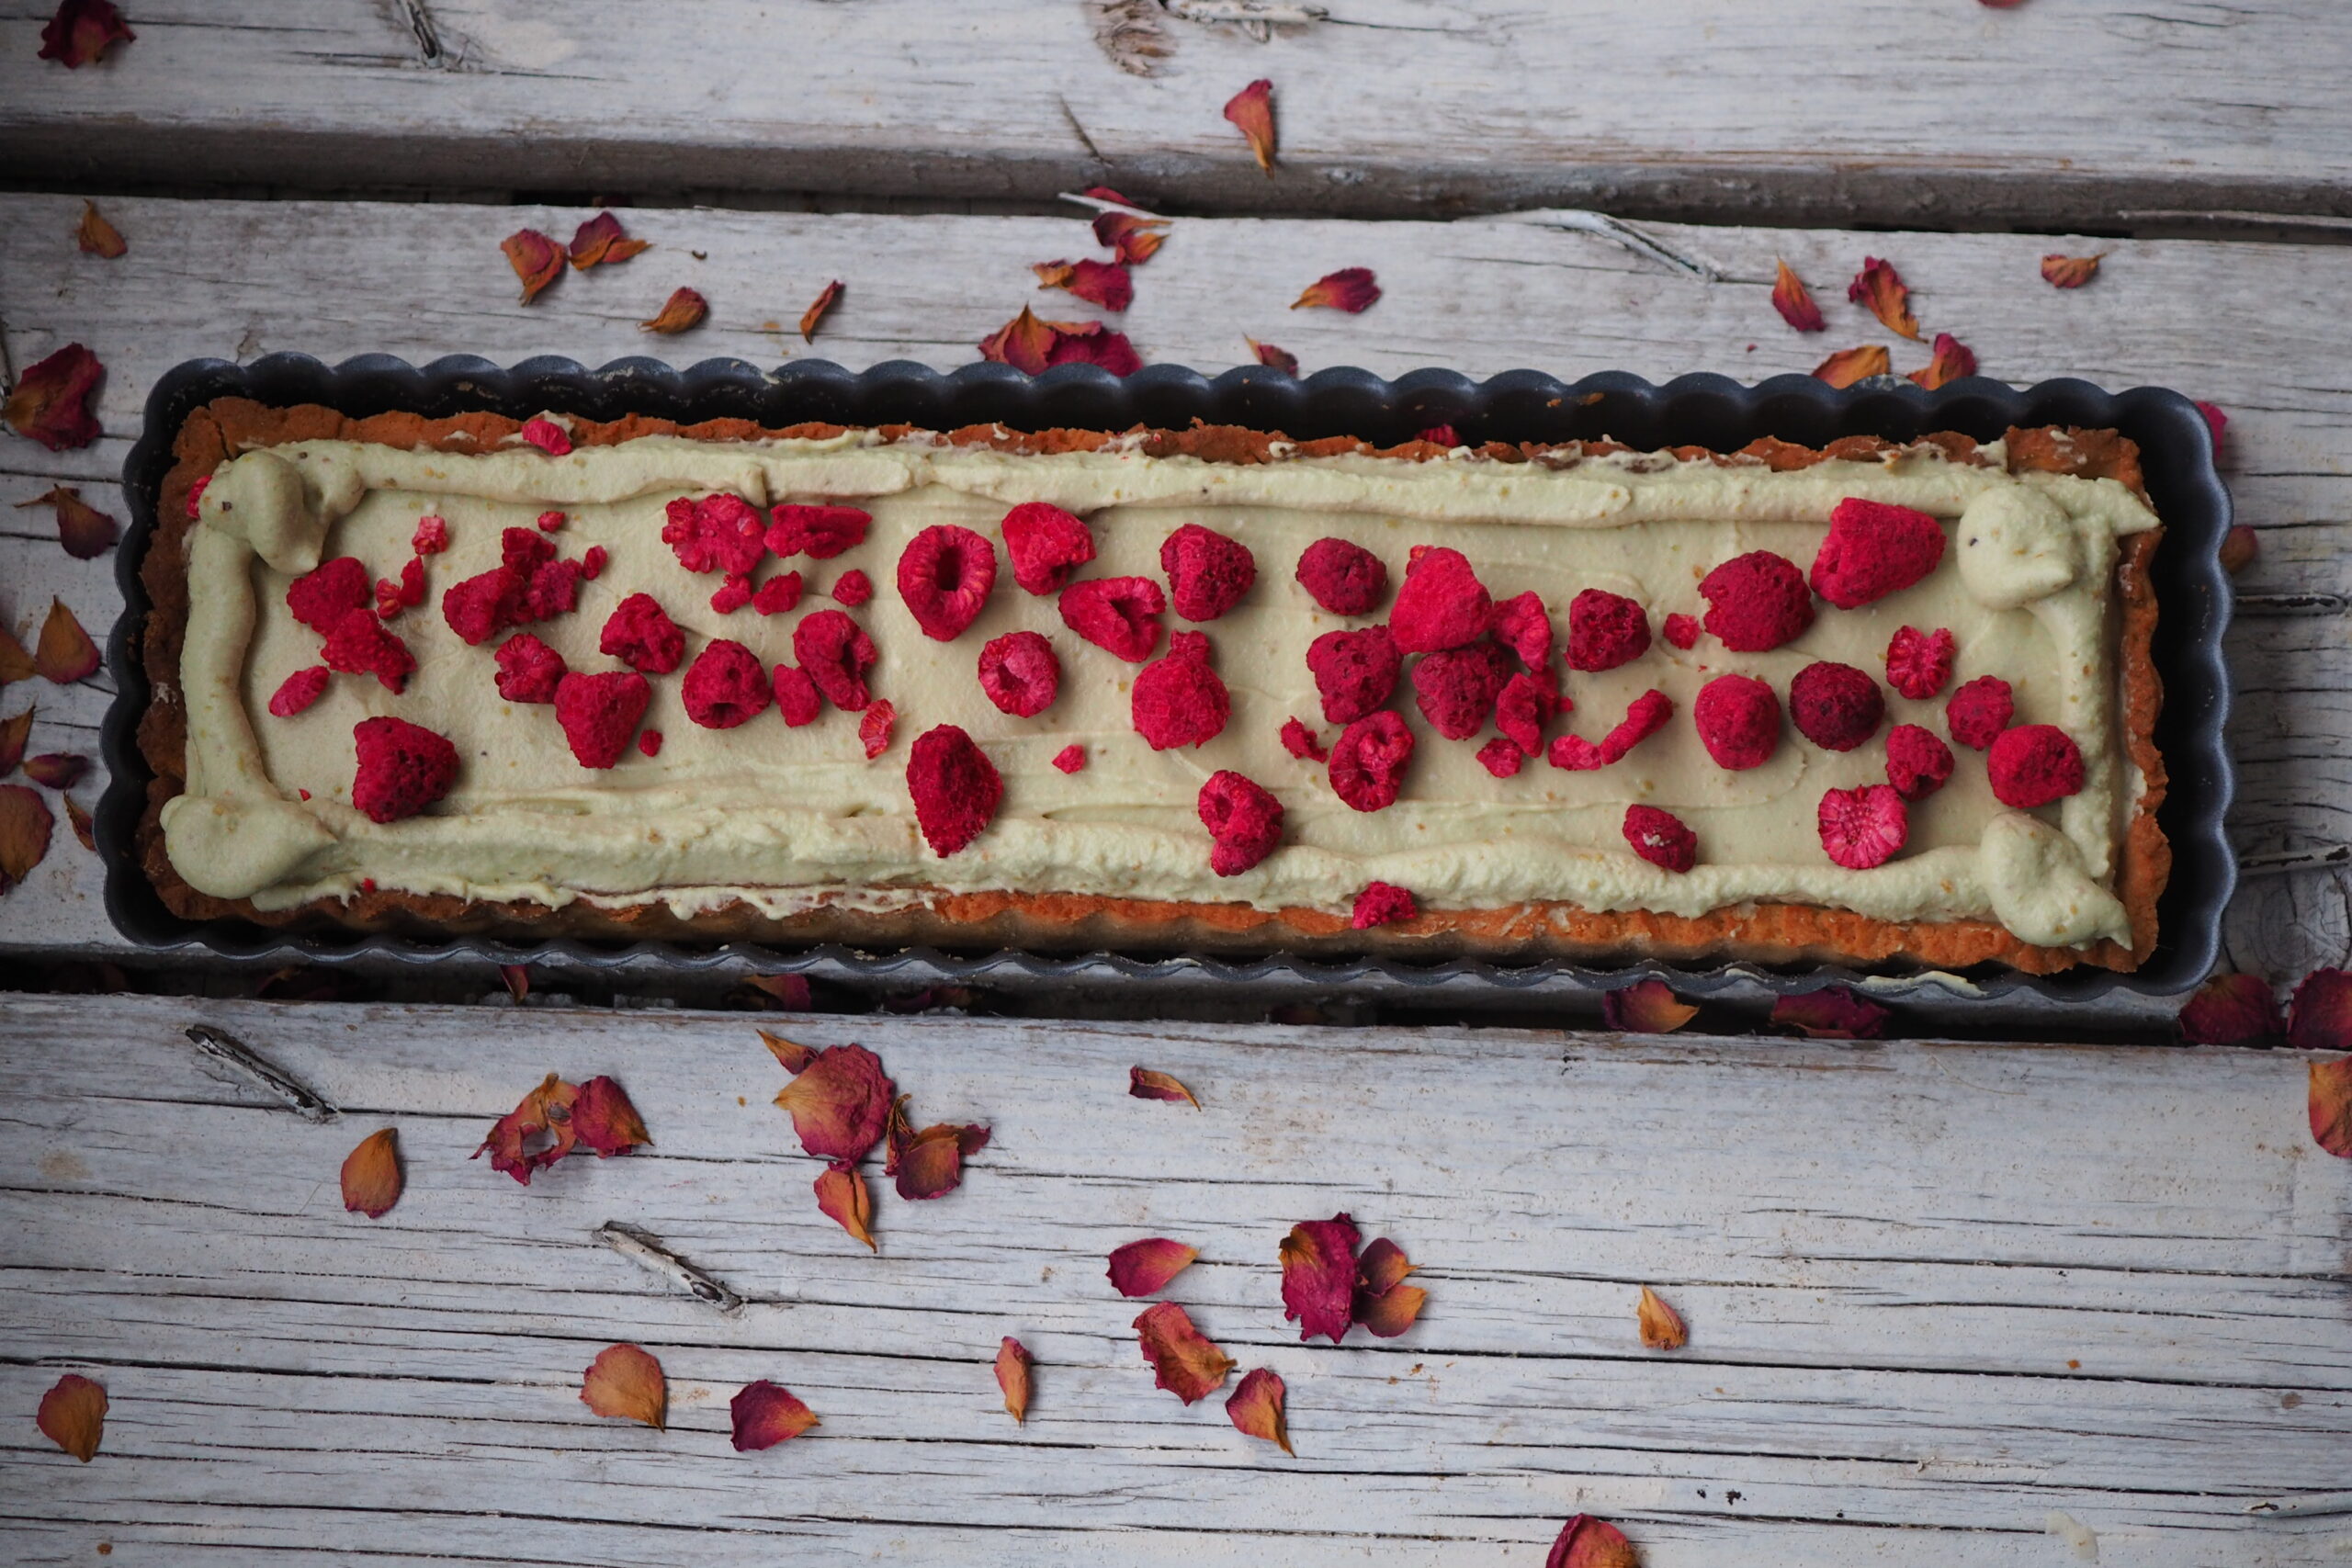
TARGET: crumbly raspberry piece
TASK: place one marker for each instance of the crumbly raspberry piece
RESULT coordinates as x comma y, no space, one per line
1873,550
1835,707
1118,614
731,594
1382,903
1070,759
945,575
2034,764
778,596
1979,711
1645,716
1605,630
1207,572
649,741
1456,690
1020,673
1862,828
1442,604
528,670
1739,721
403,768
1045,545
547,437
1682,630
836,653
321,597
854,589
196,499
796,697
955,786
823,532
1501,757
1522,625
1918,663
1440,436
550,522
403,592
1917,762
1345,579
592,562
553,590
297,692
521,549
1574,753
1244,820
1302,742
361,645
641,635
600,713
874,727
529,585
484,605
1355,672
1179,701
1659,838
432,536
1757,602
1526,704
726,685
1368,764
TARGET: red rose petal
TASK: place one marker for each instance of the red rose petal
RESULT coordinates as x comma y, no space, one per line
1351,288
1832,1013
536,260
1953,359
25,827
1319,1276
683,310
1106,284
1252,110
1848,365
80,32
1144,1083
2231,1010
602,241
72,1415
1255,1408
1187,1365
826,298
2070,272
1012,1364
603,1119
1274,358
1144,1267
762,1414
2321,1016
1588,1542
84,531
839,1103
1881,287
1794,302
514,1144
843,1197
52,401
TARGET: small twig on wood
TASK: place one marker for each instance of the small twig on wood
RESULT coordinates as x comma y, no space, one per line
1578,221
647,1251
2303,1507
2277,863
231,1052
2289,606
1100,205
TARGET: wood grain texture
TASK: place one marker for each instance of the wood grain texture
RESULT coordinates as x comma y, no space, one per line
2216,320
1934,1292
1880,111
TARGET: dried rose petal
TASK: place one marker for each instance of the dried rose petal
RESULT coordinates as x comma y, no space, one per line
1280,359
80,32
1832,1013
1187,1364
1351,288
789,992
1881,287
1319,1276
601,241
930,1164
839,1103
1252,110
1022,342
25,827
1133,237
2217,421
96,236
1382,1268
2331,1106
826,298
2070,272
84,531
16,664
2239,548
626,1383
603,1119
1144,1083
517,978
65,653
13,735
2231,1010
1092,343
1794,301
1953,359
72,1415
1012,1363
1645,1007
545,1110
536,260
843,1197
683,308
763,1414
1661,1325
1255,1408
371,1175
2320,1018
1392,1311
51,401
1848,365
1588,1542
56,770
1100,283
79,820
1144,1267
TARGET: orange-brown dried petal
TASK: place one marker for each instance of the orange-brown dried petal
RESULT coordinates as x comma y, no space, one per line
512,1141
1255,1408
1351,288
601,241
72,1415
1252,110
1275,358
2070,272
96,236
1146,1083
1144,1267
1588,1542
2331,1106
1848,365
79,820
790,1054
84,531
1645,1007
1952,360
930,1164
1392,1311
1881,287
603,1118
626,1383
25,827
371,1175
685,309
826,298
16,664
65,653
1794,301
762,1414
14,732
1186,1363
839,1103
1012,1364
1382,1268
843,1197
1661,1325
536,260
1022,342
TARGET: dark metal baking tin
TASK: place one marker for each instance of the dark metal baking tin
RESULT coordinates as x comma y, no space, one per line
2177,453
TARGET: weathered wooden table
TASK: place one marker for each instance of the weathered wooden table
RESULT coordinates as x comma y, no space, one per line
1949,1302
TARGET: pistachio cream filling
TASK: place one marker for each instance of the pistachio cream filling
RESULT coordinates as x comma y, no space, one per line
785,819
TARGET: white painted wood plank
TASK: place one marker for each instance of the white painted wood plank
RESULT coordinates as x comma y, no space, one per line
1889,1257
2249,326
1830,111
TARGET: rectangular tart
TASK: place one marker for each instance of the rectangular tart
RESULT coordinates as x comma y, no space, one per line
776,831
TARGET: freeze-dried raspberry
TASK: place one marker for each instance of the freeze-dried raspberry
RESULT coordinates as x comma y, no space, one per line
1605,630
796,696
553,590
1873,550
1682,630
1442,605
1659,838
403,768
2034,764
778,596
298,691
1345,579
1739,721
945,575
874,727
599,714
1520,624
522,550
1918,663
836,653
403,592
1525,706
432,536
1757,602
1118,614
641,635
1245,822
1382,903
592,562
1070,759
1020,673
955,786
854,589
196,502
321,598
547,437
529,585
1456,690
528,670
1207,572
1501,757
1045,545
713,532
1979,711
1835,707
1303,743
1862,828
481,606
731,594
1179,701
726,685
361,645
1355,672
823,532
1917,762
649,742
549,521
1645,716
1368,764
1575,754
